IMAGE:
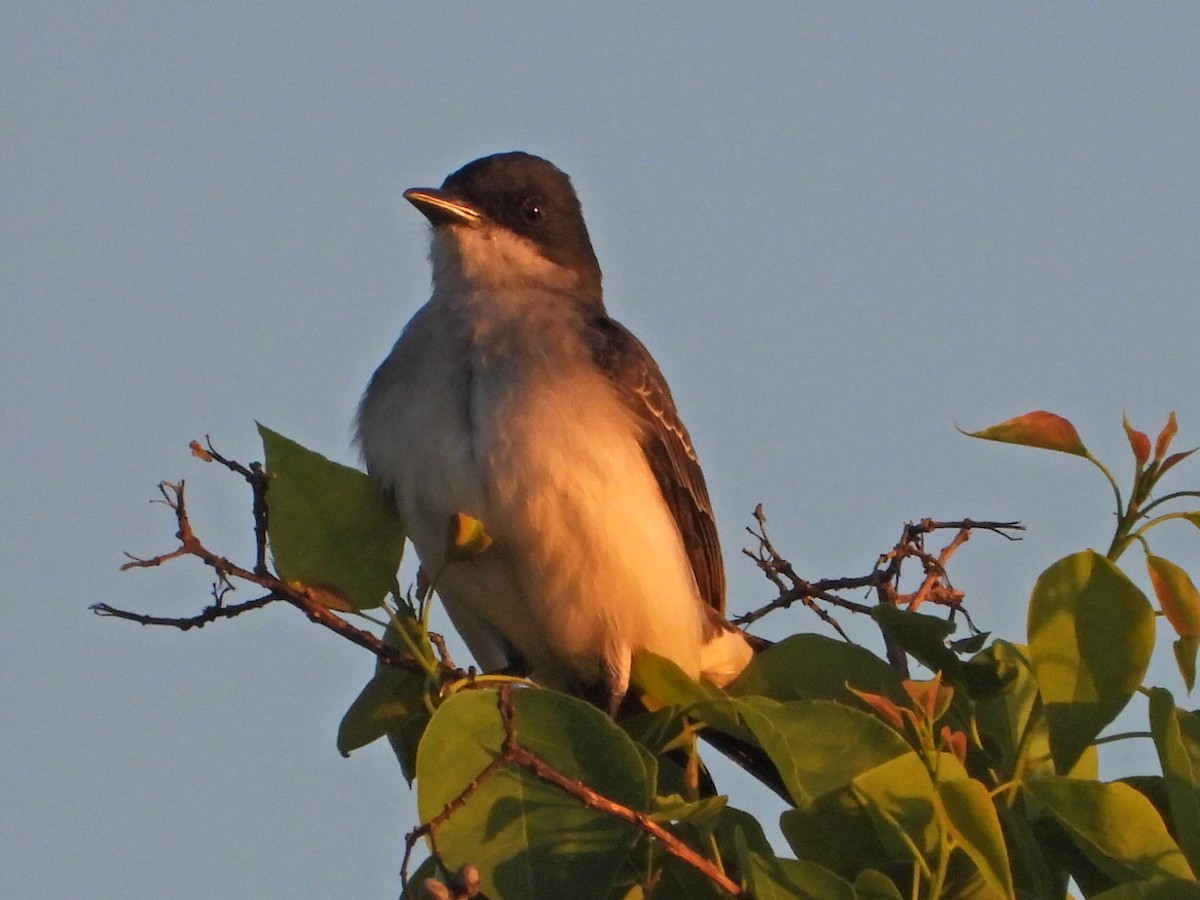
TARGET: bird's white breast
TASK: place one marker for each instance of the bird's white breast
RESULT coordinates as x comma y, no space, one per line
490,405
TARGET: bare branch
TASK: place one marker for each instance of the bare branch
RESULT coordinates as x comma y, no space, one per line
298,596
883,580
209,613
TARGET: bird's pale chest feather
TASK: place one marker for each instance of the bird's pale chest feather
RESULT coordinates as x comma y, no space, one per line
508,420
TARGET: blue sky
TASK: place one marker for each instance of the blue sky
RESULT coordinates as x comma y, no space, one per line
840,228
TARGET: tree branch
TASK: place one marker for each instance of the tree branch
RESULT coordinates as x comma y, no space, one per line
303,598
883,580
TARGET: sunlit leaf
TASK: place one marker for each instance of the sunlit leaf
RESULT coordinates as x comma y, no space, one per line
898,797
931,696
1181,768
1163,442
1114,826
466,537
970,816
1139,442
872,822
815,667
329,526
201,453
1040,429
527,837
884,706
1091,633
817,745
1178,597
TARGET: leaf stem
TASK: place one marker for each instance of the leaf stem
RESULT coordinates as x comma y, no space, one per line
1175,495
1122,736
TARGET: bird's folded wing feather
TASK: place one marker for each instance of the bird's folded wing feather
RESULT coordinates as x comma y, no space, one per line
668,448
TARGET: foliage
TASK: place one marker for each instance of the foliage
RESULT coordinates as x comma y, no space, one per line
979,782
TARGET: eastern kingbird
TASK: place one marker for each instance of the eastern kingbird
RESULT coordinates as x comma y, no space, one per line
511,396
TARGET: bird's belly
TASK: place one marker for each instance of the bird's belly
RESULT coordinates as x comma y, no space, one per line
593,559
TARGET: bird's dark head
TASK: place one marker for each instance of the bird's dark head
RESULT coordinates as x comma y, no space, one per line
513,195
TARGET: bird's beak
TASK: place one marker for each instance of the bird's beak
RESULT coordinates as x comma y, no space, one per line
442,209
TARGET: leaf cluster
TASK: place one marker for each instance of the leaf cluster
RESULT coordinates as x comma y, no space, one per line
980,781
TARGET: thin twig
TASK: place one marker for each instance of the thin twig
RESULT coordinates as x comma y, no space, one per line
303,598
208,614
258,479
883,580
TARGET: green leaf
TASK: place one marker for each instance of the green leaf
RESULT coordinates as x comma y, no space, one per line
874,822
527,837
1033,874
329,526
971,644
1193,517
818,745
836,831
815,667
392,701
772,878
970,817
1152,890
702,813
921,635
1177,739
677,880
1003,718
1114,826
898,798
873,885
664,681
1091,632
1018,714
1185,650
1040,429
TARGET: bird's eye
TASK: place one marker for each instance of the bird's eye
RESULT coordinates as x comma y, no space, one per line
532,210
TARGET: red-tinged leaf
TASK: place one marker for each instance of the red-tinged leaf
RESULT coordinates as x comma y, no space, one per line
1165,437
1139,442
1040,429
931,697
955,742
1178,597
882,705
1174,458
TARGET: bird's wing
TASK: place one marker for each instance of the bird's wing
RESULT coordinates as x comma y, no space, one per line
668,448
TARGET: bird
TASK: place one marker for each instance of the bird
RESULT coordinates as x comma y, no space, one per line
512,397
